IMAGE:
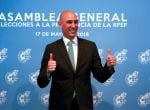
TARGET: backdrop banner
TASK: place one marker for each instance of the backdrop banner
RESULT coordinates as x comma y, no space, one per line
27,26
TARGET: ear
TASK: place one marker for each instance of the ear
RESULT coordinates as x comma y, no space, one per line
59,24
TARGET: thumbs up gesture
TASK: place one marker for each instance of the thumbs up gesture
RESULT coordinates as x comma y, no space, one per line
51,64
110,59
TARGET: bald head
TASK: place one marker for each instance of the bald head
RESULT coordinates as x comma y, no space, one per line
68,22
67,13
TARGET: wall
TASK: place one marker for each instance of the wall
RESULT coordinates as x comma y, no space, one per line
123,26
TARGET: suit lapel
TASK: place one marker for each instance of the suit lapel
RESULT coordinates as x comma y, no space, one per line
64,53
80,53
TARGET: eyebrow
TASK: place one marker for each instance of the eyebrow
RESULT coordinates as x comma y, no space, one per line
70,21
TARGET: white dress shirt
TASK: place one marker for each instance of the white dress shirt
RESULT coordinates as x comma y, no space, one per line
75,47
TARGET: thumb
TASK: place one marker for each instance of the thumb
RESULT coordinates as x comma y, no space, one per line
51,56
108,52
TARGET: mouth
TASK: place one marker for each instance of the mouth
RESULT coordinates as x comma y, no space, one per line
73,30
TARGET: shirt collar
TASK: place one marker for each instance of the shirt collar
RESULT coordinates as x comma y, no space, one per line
66,40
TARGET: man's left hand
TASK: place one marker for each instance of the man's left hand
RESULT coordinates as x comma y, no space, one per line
110,59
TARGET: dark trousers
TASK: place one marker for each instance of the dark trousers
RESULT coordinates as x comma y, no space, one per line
75,105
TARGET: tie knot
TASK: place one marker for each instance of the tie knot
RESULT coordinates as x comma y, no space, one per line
70,43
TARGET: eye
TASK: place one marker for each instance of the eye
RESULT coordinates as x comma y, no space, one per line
76,22
69,22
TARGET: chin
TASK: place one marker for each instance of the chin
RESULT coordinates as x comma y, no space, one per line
72,36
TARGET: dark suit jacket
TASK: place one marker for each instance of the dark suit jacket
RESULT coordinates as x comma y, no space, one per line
65,80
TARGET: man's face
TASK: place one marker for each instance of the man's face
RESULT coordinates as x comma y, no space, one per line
69,24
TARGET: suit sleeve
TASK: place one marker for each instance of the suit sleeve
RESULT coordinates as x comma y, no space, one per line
100,72
43,78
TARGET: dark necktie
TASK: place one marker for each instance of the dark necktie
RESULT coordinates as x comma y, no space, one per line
71,53
71,56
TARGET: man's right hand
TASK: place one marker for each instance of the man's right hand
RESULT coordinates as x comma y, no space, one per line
51,64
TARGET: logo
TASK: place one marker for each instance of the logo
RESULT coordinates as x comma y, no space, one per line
97,99
144,100
33,77
23,98
24,56
144,57
11,77
132,79
3,94
120,100
45,99
121,56
109,81
3,55
100,51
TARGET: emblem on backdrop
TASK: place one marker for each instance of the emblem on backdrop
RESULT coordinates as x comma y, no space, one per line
120,99
100,51
33,77
3,98
97,99
45,99
23,98
144,100
121,56
144,57
109,81
24,56
11,77
132,79
3,54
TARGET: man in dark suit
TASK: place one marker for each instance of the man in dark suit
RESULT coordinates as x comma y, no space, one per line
70,76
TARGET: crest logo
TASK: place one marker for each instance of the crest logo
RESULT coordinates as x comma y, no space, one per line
3,96
132,79
144,57
109,81
3,55
100,51
33,77
121,56
11,77
45,99
144,100
120,100
23,98
24,56
97,99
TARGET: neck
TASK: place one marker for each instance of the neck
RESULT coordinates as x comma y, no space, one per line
70,38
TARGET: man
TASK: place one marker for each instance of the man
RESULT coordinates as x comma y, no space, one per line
70,76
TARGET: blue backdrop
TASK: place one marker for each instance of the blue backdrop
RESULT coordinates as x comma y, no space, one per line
26,26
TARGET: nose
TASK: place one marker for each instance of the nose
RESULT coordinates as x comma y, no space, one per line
74,24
